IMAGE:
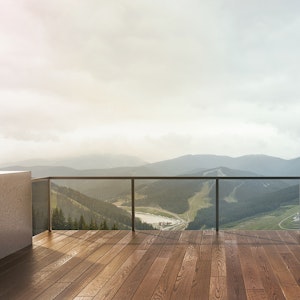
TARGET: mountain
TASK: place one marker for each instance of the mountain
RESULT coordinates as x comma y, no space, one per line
255,205
259,164
84,162
44,171
174,195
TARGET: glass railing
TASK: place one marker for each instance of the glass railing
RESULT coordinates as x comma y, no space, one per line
259,204
166,203
40,205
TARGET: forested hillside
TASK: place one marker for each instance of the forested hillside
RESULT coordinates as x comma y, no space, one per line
75,205
174,195
250,207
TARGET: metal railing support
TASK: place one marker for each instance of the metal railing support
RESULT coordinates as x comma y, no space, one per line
217,204
49,206
132,206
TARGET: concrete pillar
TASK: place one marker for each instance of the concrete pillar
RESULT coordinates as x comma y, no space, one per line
15,212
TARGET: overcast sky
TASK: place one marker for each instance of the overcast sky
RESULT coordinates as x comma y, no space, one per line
155,79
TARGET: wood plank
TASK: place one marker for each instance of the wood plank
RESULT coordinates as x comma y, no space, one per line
33,269
167,249
289,237
249,268
235,281
148,285
218,264
287,255
201,279
183,283
90,267
167,280
14,259
108,264
132,282
111,286
218,288
288,284
151,237
267,276
49,273
43,248
217,284
52,291
295,235
296,251
257,295
154,264
58,276
150,281
91,254
293,265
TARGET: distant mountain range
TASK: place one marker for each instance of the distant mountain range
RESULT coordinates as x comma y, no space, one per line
85,162
189,164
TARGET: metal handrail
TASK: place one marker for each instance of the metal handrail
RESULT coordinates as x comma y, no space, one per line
133,178
171,177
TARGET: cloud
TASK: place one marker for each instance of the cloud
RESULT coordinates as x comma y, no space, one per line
150,77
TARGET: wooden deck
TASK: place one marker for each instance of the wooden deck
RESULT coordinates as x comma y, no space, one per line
155,265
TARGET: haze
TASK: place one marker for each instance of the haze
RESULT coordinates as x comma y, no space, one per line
153,79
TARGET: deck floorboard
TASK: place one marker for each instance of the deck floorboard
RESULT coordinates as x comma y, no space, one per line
155,265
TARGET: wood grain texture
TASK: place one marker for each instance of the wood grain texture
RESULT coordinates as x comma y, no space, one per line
235,280
218,288
155,265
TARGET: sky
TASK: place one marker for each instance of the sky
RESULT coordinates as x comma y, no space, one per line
154,79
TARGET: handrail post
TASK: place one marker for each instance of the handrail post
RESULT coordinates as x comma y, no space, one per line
217,204
49,206
132,206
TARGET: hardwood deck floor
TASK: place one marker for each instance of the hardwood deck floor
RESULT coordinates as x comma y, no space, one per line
155,265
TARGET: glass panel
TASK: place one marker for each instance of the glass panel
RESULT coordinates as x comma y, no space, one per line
259,204
159,204
175,204
91,204
39,206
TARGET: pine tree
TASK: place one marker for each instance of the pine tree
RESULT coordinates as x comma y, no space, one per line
103,225
75,224
82,224
70,223
114,227
93,225
58,219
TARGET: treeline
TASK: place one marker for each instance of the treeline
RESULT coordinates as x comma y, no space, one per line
232,212
60,222
78,204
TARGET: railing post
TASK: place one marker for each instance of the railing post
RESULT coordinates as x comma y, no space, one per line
217,204
132,205
49,206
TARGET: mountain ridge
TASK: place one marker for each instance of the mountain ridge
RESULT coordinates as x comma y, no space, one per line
260,164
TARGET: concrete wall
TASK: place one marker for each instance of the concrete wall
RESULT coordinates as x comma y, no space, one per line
15,212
